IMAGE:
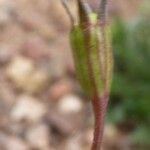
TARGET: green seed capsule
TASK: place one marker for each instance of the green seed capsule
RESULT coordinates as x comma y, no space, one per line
91,45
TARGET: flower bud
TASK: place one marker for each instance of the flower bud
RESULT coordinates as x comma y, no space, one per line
92,52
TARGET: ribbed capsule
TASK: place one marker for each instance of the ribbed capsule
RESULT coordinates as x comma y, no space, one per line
91,45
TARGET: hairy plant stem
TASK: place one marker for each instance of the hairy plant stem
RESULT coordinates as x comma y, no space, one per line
99,107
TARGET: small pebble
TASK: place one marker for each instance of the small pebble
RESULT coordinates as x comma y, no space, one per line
70,104
28,108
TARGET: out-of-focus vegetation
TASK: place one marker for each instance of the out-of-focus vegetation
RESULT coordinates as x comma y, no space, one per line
130,99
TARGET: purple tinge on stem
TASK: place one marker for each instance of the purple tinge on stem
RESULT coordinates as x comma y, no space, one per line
99,107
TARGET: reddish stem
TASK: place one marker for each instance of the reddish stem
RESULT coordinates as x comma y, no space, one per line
99,107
